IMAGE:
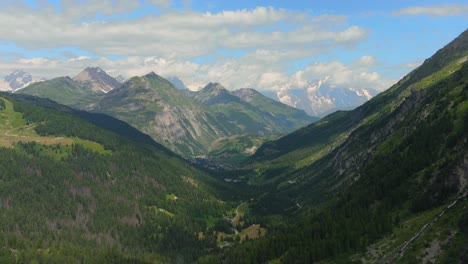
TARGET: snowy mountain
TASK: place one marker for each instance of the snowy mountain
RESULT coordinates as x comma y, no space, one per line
16,80
321,98
121,78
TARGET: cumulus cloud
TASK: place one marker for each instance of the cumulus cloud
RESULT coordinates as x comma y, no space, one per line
443,10
181,34
167,42
79,9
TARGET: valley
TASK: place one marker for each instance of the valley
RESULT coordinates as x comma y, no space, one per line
97,169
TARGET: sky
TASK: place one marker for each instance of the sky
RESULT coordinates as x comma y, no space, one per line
262,44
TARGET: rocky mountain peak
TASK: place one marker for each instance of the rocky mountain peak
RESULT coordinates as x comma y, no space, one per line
214,87
152,74
96,79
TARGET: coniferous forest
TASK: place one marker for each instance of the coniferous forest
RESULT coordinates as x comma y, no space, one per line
383,183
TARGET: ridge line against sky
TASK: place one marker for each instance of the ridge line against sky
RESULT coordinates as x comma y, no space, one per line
266,45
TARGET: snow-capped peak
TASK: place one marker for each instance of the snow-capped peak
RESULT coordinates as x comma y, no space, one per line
17,79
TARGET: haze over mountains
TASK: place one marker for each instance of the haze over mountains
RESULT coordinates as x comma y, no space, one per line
383,183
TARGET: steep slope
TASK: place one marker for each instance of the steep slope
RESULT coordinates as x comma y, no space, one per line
194,124
257,114
336,128
258,117
396,166
72,191
156,107
63,90
282,112
96,80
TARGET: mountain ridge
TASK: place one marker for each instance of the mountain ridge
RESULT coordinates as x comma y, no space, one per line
173,117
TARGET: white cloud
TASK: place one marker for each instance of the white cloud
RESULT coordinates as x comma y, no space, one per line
443,10
77,9
181,34
166,43
160,3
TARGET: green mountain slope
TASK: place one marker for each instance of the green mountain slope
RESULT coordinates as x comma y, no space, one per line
258,118
283,115
194,126
63,90
153,105
384,183
257,114
186,125
83,188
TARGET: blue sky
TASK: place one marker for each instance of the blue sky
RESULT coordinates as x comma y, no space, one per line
267,45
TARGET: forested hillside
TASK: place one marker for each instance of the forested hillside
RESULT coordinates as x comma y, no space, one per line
73,192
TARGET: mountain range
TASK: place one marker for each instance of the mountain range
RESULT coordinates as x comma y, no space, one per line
320,98
188,125
383,183
316,99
